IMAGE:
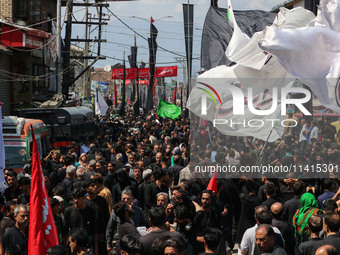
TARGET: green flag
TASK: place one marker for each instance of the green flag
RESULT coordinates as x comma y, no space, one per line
166,109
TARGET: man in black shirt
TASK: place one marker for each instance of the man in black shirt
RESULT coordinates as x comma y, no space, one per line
157,219
18,234
206,216
82,216
315,226
13,190
331,225
154,188
270,191
184,227
130,245
67,183
101,209
291,206
176,168
78,240
285,228
25,187
8,221
212,238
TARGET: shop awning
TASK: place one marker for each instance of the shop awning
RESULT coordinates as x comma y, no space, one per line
16,36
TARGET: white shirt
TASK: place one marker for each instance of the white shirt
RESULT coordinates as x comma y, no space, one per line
302,137
248,242
314,133
84,149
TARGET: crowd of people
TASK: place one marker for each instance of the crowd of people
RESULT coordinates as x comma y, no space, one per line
133,189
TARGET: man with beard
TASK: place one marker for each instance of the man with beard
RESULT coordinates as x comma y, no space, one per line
13,190
131,164
18,234
125,227
100,207
158,159
206,216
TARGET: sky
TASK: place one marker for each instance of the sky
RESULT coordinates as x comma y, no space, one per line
136,14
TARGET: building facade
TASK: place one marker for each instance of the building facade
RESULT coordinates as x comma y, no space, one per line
27,61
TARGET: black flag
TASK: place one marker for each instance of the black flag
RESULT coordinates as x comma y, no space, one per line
122,105
152,64
312,5
217,32
134,96
188,16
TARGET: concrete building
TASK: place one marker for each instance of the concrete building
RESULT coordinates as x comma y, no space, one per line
27,62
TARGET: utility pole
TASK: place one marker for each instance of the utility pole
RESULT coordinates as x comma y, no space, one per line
58,38
67,79
189,52
86,53
67,53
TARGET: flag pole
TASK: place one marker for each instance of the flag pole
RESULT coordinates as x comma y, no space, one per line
258,158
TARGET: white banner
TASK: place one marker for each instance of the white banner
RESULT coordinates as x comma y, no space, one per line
101,106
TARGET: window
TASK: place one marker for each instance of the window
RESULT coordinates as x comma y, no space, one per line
20,9
34,15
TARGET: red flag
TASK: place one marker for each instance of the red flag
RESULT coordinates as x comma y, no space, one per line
174,94
42,230
213,183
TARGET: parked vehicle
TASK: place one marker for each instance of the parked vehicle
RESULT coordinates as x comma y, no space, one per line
18,140
64,124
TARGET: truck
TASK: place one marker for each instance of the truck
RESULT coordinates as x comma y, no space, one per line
18,140
64,124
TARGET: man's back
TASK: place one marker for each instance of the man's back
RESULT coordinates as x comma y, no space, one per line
14,236
5,224
289,209
80,219
148,239
305,248
333,240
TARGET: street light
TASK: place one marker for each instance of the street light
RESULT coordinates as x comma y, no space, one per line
165,17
